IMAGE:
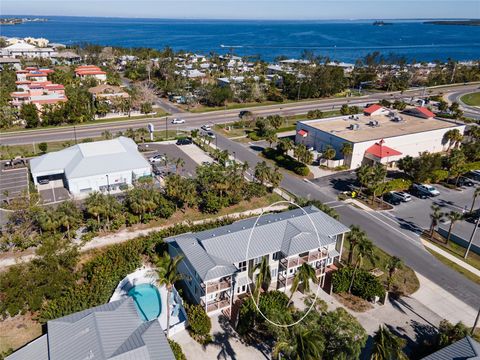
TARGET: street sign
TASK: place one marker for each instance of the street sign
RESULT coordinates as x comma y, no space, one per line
150,127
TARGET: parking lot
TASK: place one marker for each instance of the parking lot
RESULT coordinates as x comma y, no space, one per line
53,192
13,182
172,153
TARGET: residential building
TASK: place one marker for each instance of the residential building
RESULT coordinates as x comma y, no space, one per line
377,136
91,71
108,92
465,349
110,331
66,57
23,49
12,62
217,262
105,166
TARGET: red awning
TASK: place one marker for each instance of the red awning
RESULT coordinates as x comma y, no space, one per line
302,133
381,151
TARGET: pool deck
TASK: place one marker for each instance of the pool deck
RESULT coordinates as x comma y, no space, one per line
146,275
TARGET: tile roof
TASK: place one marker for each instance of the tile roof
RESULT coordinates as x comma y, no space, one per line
212,253
372,108
465,349
424,112
382,151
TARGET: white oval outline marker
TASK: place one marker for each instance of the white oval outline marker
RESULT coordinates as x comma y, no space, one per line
246,257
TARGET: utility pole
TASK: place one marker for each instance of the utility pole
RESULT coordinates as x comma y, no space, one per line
75,133
476,322
166,127
471,240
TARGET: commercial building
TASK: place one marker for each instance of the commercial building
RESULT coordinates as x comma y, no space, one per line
104,166
217,262
111,331
378,135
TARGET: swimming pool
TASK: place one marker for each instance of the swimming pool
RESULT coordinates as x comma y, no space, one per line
147,301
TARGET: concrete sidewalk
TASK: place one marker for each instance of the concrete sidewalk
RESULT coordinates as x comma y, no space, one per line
451,257
441,302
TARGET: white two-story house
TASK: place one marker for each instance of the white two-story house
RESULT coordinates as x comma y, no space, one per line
217,262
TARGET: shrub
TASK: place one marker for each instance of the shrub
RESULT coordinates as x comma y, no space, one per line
286,161
199,323
43,146
365,284
177,350
438,175
394,185
252,135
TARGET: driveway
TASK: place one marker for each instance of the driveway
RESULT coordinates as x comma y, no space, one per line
53,192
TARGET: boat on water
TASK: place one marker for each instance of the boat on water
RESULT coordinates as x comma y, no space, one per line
381,23
230,46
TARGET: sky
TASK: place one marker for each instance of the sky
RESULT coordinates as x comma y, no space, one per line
247,9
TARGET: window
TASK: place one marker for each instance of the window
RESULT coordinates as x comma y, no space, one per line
257,260
273,273
242,266
277,256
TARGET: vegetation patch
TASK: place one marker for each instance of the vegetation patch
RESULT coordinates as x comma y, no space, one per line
471,99
286,161
353,302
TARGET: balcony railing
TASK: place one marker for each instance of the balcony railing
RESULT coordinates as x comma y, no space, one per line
297,261
216,304
217,286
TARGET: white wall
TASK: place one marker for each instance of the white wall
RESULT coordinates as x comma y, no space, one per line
410,144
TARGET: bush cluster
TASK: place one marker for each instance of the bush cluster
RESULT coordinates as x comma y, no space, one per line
365,284
286,161
199,323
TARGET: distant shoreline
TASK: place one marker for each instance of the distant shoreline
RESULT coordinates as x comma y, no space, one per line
455,22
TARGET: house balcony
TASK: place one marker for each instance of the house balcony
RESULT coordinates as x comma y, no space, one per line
282,280
297,260
215,305
216,286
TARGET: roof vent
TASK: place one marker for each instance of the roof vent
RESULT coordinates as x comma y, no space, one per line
228,230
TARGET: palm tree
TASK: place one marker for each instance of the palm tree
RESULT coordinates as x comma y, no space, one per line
475,195
436,216
263,278
303,275
453,138
378,176
179,163
453,216
346,150
329,153
166,271
303,344
262,172
393,264
271,137
354,236
95,205
365,249
284,145
387,346
69,216
364,174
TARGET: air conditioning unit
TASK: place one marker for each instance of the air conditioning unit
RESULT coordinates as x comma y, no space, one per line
354,127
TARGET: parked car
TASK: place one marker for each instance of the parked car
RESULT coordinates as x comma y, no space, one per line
44,181
473,216
178,121
210,134
184,141
419,194
244,113
462,181
393,200
402,196
475,175
156,158
206,127
427,189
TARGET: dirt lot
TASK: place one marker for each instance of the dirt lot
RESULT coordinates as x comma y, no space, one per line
17,331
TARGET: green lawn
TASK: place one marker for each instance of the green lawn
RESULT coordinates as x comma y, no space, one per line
471,99
456,250
405,279
455,267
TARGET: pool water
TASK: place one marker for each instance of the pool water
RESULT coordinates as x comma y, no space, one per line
147,301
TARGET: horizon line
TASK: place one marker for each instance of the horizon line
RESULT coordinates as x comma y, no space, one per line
240,19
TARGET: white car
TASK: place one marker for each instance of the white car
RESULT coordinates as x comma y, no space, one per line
156,158
428,189
402,196
178,121
206,127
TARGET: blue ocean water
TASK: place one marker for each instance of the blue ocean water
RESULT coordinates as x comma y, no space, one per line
340,40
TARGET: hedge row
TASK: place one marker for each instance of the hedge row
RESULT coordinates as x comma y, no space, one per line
286,161
365,284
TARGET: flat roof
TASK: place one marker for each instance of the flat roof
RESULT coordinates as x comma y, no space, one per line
386,128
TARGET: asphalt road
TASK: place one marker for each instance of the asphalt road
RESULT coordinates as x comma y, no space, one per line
469,111
194,120
384,231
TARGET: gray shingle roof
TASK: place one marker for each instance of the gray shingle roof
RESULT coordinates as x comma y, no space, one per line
110,331
465,349
88,159
212,252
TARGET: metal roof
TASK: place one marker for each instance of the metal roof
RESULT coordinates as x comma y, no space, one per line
465,349
37,349
89,159
212,253
110,331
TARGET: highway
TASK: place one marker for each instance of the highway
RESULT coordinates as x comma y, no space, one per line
195,120
384,232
